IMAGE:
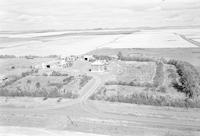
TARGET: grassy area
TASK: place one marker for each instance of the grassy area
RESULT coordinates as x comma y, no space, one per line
174,83
133,71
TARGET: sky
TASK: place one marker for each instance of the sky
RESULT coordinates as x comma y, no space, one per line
27,15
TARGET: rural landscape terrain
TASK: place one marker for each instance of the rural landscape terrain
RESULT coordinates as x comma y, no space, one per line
110,91
129,68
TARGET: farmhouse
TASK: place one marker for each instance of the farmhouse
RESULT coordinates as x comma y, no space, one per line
98,66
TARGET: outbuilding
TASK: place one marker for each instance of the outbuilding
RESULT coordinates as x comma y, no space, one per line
88,57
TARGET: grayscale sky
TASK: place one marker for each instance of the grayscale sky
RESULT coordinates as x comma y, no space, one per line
26,15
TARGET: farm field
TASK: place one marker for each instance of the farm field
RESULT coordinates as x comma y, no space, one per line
115,118
66,42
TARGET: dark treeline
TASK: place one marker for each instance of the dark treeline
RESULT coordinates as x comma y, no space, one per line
189,81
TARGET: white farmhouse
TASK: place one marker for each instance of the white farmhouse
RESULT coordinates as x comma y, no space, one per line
98,66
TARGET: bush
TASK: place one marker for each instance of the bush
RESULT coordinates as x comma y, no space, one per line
84,80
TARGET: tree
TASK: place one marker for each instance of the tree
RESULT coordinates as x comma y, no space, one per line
119,55
37,85
28,81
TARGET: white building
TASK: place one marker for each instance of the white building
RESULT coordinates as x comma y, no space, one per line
98,66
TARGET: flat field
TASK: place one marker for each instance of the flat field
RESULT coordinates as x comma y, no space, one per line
130,71
67,42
